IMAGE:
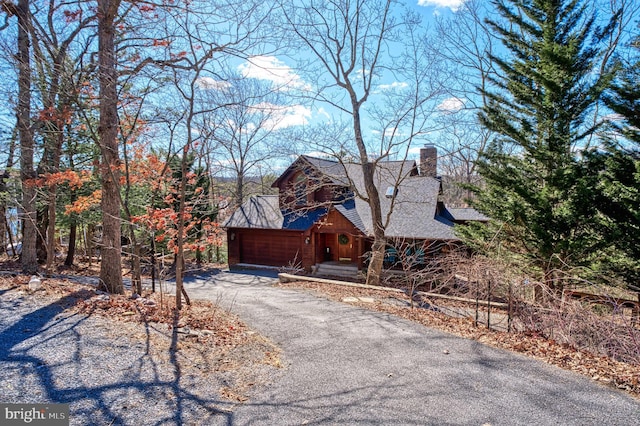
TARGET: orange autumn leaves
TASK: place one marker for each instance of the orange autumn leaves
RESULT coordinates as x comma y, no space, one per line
200,231
147,170
199,234
72,178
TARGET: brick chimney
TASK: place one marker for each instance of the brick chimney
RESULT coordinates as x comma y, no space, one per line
429,160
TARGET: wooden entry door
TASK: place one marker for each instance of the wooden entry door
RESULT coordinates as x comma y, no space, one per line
345,247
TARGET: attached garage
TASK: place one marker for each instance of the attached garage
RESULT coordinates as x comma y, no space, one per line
269,247
317,217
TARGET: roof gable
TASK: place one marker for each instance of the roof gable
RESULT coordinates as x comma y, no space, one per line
260,211
332,170
412,212
263,212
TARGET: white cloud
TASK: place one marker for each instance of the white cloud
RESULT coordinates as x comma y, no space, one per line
271,69
389,132
451,105
208,83
361,73
294,115
454,5
283,116
323,112
393,86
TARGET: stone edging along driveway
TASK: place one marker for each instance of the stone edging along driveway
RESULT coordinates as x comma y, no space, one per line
349,365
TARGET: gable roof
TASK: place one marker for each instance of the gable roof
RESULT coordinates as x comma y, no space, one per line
349,211
413,212
263,212
332,170
467,214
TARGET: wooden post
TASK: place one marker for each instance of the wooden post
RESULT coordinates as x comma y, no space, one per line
488,301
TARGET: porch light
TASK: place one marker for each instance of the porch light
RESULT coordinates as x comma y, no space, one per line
233,236
307,240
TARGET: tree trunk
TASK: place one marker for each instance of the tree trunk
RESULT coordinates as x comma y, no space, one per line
88,242
152,258
374,271
42,223
10,237
180,236
51,229
136,271
29,258
73,222
111,264
5,231
3,214
198,257
239,189
54,167
3,228
71,251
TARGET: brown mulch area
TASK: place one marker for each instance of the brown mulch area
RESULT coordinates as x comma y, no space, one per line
219,340
605,370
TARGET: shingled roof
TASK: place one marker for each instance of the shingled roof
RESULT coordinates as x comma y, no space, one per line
258,212
332,170
263,212
412,211
467,214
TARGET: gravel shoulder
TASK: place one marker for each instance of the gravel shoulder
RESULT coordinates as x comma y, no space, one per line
115,372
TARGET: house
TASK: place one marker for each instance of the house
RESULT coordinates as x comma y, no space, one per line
318,216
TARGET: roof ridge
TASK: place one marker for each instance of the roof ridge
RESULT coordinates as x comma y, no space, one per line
318,158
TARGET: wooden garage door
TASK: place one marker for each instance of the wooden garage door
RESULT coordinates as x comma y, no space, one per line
270,248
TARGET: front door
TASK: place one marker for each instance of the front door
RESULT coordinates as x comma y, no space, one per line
345,246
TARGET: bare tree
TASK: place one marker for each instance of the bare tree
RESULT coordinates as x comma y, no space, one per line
354,44
465,45
23,113
244,133
347,39
110,267
55,65
25,132
236,25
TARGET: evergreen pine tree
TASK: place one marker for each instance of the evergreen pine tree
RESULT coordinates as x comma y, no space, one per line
619,171
534,185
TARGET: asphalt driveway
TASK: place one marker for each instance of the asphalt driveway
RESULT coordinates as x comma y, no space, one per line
346,365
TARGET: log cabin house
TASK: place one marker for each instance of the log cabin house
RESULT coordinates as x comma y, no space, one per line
319,217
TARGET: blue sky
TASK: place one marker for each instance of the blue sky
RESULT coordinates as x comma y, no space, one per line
439,5
282,73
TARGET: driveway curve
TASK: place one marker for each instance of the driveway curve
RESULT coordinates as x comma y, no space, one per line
346,365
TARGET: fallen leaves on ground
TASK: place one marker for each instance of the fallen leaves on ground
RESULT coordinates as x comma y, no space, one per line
207,337
602,369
